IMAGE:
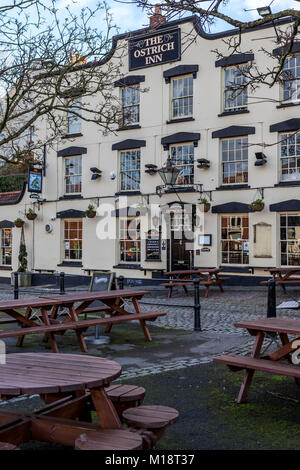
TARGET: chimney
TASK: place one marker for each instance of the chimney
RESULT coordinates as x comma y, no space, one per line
157,19
78,59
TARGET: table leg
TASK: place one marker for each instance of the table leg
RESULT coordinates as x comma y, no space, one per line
142,322
20,340
51,335
79,334
242,396
105,410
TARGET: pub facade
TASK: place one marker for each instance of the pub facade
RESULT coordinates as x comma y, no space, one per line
229,150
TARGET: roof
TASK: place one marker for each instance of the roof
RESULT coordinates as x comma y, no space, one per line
12,197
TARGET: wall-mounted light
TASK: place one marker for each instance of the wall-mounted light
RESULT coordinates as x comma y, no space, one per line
261,159
151,169
264,11
203,163
96,173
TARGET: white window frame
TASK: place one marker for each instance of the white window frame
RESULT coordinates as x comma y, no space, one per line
233,162
287,240
188,96
295,80
129,173
296,156
184,166
79,174
73,119
134,238
242,240
131,102
243,92
4,247
68,240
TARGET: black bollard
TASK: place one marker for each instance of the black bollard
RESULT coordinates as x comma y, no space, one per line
121,282
62,283
197,307
16,285
271,310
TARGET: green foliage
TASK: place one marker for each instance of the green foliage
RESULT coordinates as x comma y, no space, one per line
203,200
10,183
22,259
90,208
258,201
30,212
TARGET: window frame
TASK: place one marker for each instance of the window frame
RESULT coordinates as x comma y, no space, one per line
64,240
136,240
286,240
288,157
226,109
243,240
297,79
192,165
235,162
65,159
172,99
137,169
132,105
71,116
5,247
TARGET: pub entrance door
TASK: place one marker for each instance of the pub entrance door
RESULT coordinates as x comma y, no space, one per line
180,239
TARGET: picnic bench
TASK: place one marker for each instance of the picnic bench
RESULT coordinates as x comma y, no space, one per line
46,321
75,385
284,276
269,363
208,278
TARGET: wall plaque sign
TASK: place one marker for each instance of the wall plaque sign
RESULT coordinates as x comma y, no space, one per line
154,49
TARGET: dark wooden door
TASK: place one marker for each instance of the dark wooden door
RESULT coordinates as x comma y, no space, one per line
181,255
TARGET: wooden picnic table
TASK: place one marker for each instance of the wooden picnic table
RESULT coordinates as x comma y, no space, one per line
271,363
208,277
284,276
41,314
72,386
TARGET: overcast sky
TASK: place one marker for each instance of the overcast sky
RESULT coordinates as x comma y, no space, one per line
130,17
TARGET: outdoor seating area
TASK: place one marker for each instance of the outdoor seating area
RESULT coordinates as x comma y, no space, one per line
184,278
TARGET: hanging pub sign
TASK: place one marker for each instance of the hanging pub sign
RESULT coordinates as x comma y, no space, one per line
154,49
35,180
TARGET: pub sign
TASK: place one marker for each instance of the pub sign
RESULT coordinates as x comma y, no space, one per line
35,180
154,49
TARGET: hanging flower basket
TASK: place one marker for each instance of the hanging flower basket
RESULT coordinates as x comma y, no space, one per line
91,214
19,223
204,205
257,206
31,216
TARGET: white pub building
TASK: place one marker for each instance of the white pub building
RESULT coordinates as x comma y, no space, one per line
178,107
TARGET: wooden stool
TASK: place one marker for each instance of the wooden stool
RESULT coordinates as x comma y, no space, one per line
109,439
152,418
125,396
7,446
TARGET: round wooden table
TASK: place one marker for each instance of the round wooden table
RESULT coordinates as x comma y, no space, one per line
63,377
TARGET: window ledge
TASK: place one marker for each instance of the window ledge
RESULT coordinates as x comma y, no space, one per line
187,119
232,187
71,136
73,264
127,128
287,105
231,113
67,197
287,183
128,193
186,189
5,268
128,266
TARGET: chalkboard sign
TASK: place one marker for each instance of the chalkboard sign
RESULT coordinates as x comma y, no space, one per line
101,281
153,246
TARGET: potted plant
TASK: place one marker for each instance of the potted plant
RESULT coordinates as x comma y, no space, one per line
90,212
24,275
19,222
31,215
205,205
257,205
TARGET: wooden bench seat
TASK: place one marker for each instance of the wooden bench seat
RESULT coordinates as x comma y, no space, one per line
236,363
153,418
109,439
125,396
80,325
